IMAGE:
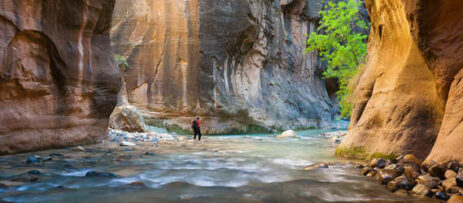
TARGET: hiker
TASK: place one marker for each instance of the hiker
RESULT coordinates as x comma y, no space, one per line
196,125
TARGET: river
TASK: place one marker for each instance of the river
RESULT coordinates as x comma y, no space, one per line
231,168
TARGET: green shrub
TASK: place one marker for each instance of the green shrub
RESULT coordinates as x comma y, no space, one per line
342,47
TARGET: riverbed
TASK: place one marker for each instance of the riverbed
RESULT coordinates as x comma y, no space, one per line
229,168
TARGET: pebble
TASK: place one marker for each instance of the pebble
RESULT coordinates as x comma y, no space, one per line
80,148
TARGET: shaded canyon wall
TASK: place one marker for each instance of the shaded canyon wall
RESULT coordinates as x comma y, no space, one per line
58,80
237,63
409,98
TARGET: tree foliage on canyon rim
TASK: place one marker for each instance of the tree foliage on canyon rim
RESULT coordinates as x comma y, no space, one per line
341,46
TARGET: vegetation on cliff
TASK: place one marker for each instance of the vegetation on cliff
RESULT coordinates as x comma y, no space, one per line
342,45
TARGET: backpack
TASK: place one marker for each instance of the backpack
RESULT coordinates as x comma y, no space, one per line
194,124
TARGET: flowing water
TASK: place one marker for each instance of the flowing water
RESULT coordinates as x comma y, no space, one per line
252,168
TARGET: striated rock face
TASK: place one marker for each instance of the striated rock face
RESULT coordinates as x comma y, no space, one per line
236,63
58,81
410,92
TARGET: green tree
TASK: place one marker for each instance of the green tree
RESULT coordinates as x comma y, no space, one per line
341,46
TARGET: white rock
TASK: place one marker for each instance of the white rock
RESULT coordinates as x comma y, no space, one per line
127,144
288,134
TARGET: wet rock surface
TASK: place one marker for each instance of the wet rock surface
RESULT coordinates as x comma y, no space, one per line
405,176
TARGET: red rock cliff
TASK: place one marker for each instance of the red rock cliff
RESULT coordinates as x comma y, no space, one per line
409,98
236,63
58,81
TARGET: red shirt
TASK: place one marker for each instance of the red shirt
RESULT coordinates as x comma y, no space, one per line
198,122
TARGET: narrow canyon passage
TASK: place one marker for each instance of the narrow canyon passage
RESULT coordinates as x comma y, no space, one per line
230,168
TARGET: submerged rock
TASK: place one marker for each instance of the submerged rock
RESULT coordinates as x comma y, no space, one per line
288,134
315,166
137,183
80,149
100,174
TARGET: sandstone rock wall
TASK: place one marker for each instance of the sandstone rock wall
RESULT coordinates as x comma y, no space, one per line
58,81
408,95
236,63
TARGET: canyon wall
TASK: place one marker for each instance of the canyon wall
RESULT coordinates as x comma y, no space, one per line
238,64
58,79
408,99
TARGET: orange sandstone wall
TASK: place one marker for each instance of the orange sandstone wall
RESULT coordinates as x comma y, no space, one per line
408,96
58,80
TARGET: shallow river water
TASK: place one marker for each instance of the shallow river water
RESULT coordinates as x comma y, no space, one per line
253,168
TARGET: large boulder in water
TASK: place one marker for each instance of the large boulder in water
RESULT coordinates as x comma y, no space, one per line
58,79
127,118
288,134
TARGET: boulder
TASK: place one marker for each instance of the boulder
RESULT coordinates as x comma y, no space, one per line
449,183
429,181
450,174
378,162
456,199
401,182
421,190
288,134
127,118
439,194
411,171
453,165
385,175
410,158
437,170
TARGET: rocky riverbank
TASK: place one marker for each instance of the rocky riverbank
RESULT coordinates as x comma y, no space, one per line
406,175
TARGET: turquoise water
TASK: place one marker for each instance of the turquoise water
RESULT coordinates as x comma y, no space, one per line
232,168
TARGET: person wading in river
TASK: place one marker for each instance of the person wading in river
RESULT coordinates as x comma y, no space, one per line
196,125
